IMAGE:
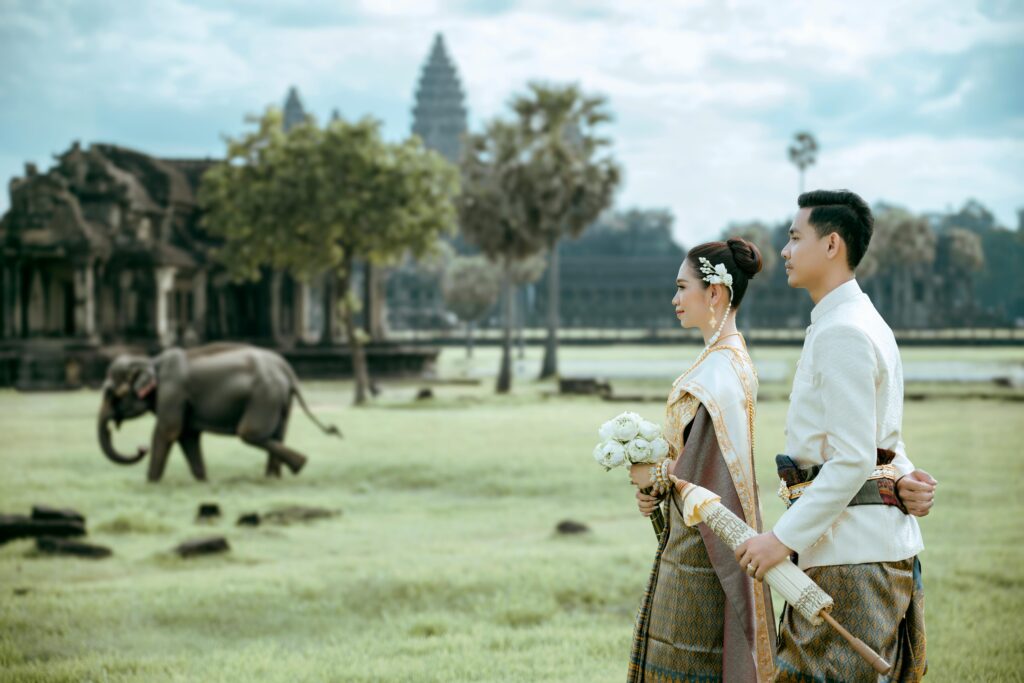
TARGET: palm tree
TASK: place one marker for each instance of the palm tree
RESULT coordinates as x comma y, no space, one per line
494,218
803,153
567,181
525,272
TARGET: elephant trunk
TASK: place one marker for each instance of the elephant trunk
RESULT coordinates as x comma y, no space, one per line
106,415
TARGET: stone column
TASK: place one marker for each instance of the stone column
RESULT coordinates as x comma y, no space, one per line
199,304
275,308
126,305
301,306
85,302
17,304
312,310
7,305
164,289
36,305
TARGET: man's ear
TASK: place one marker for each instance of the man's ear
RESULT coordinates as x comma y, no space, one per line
835,244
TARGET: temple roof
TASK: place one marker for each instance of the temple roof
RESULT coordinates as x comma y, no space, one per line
107,200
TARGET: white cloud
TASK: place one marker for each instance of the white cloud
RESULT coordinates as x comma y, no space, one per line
698,87
928,173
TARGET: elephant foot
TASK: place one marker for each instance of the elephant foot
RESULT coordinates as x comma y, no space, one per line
296,464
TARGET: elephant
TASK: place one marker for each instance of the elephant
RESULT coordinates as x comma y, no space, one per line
224,388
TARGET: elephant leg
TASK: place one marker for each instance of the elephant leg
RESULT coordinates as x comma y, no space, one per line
273,466
194,454
291,457
273,462
259,426
158,455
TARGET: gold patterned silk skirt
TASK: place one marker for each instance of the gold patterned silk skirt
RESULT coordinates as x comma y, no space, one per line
679,628
881,603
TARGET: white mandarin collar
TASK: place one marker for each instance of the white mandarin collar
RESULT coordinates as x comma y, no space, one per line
848,291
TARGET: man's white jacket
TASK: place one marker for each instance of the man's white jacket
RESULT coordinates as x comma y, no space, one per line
847,401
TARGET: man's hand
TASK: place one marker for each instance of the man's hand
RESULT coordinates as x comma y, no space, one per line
640,475
761,553
646,503
917,491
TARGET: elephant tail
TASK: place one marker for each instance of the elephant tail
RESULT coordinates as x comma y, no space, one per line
327,429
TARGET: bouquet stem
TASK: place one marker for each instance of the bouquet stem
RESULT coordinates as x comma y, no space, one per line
657,518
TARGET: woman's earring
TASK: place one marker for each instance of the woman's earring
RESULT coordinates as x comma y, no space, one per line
714,320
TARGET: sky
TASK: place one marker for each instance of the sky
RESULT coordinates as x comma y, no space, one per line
913,103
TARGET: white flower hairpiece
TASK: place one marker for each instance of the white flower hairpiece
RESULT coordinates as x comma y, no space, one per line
716,275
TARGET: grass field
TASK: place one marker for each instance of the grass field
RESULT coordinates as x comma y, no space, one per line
444,564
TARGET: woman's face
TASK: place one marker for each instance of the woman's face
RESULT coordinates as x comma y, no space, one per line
692,299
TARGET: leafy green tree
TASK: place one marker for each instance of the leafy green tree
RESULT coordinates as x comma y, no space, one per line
761,236
318,200
900,255
959,255
471,285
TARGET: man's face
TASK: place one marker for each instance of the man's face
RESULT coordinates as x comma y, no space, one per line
806,254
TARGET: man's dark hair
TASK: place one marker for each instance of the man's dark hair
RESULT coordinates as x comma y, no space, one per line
843,212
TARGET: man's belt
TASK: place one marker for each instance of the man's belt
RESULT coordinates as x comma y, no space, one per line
878,489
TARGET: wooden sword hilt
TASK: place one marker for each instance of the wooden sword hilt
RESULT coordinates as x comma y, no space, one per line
869,655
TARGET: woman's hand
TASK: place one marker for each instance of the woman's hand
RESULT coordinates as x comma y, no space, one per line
646,503
640,475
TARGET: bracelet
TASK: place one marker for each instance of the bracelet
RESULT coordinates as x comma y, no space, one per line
655,484
659,477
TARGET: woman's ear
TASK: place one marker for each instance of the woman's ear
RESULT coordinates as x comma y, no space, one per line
714,293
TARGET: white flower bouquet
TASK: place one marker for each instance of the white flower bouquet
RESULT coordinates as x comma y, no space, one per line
630,439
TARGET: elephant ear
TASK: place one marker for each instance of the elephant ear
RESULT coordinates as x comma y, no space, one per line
144,382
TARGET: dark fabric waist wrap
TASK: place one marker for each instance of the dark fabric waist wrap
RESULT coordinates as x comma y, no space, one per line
879,489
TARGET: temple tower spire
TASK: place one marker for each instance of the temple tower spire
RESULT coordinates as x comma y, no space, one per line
439,116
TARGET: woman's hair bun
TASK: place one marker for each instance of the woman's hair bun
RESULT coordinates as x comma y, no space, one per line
745,255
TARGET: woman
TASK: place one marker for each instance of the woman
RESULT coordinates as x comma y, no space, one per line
702,617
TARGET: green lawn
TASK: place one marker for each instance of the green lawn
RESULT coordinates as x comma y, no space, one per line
444,565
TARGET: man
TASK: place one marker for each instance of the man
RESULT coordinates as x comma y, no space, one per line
851,525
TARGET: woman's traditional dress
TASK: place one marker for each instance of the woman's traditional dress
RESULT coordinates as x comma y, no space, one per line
702,617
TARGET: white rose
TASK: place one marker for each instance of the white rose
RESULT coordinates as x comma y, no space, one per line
721,269
607,430
609,454
659,448
626,426
649,430
639,450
